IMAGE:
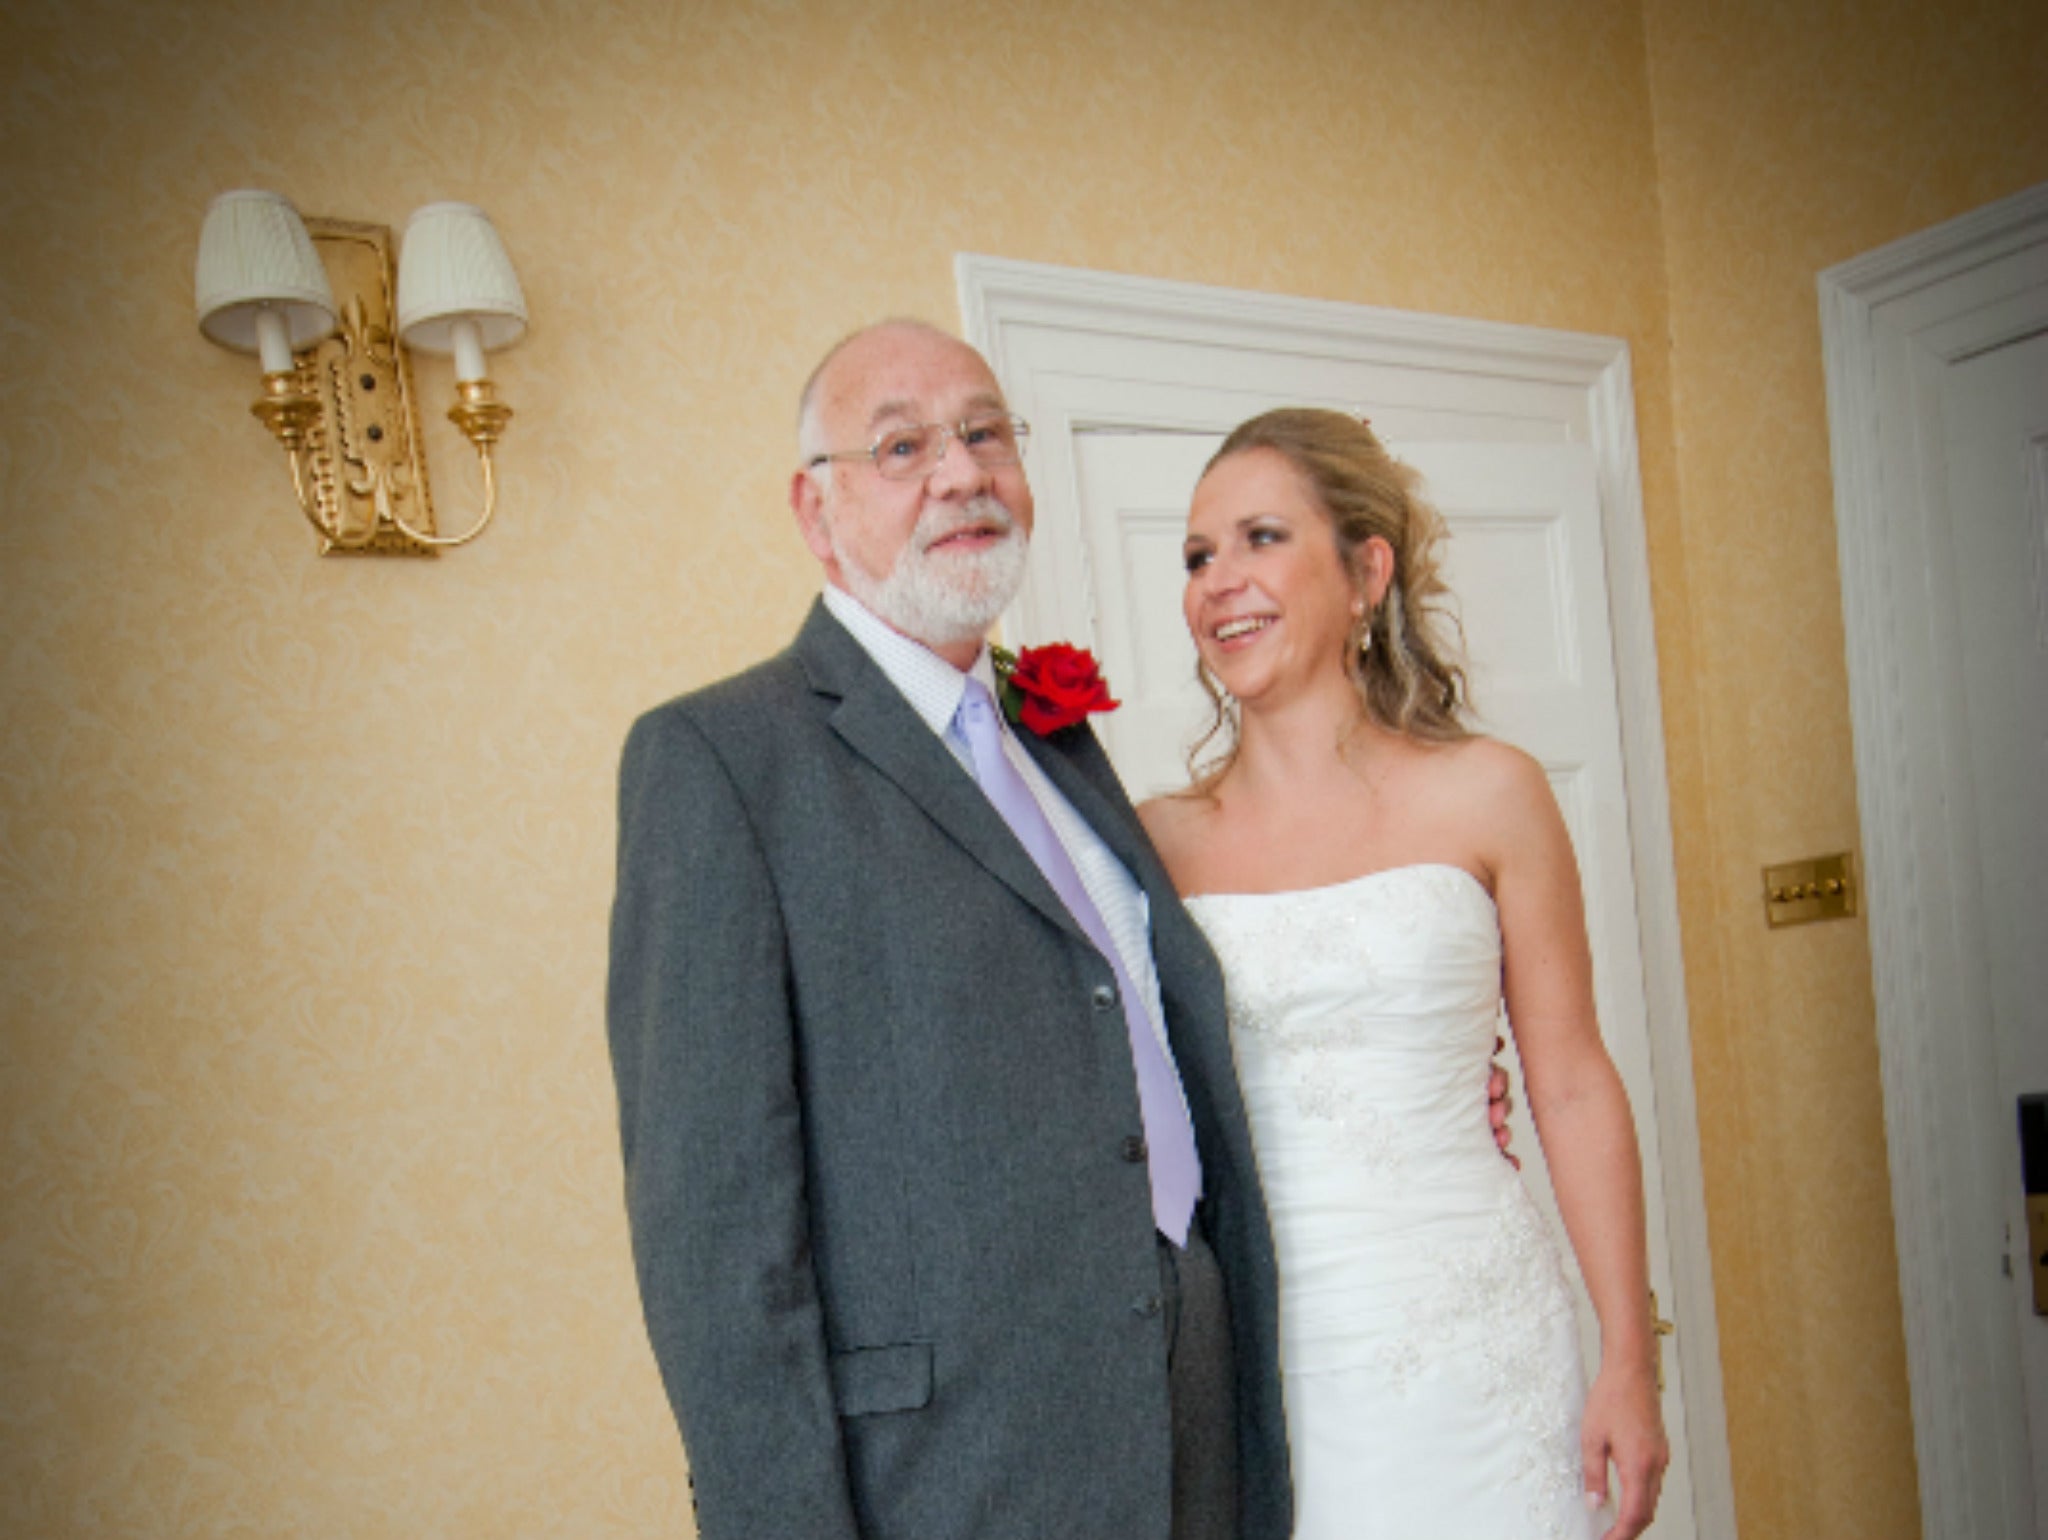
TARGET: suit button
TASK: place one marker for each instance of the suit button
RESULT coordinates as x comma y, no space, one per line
1133,1149
1148,1307
1104,997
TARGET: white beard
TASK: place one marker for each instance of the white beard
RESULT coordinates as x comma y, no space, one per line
942,600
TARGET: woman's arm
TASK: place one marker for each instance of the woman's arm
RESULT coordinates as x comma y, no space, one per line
1582,1121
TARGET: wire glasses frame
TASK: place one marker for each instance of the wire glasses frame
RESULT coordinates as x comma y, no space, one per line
903,454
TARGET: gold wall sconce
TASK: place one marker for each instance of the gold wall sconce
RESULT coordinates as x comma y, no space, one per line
322,304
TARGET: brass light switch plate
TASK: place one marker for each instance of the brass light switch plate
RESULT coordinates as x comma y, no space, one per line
1823,888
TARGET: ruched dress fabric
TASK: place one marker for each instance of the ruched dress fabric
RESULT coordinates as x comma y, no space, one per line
1428,1340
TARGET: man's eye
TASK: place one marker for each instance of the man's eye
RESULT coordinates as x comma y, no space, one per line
986,431
905,445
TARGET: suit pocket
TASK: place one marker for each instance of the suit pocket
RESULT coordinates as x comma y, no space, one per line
882,1379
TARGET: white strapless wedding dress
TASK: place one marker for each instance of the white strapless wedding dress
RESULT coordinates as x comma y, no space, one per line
1428,1342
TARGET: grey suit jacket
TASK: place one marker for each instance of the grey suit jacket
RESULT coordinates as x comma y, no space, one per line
894,1241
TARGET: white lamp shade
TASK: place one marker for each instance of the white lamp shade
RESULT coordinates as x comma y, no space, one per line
255,254
453,267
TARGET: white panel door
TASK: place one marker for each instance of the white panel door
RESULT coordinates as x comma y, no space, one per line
1937,363
1993,419
1524,563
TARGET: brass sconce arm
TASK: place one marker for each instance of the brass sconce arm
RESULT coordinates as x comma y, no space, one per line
482,418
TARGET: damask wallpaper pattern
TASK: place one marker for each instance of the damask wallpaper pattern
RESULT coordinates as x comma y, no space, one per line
313,1222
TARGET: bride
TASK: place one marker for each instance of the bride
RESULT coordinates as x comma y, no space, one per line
1377,882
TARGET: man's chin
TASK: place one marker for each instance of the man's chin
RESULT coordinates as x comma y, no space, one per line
951,597
958,618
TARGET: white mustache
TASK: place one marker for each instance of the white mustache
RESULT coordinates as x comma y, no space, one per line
936,524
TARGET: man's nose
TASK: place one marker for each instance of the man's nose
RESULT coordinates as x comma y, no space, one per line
956,470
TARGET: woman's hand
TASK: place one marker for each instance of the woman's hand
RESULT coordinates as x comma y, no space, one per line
1625,1425
1500,1101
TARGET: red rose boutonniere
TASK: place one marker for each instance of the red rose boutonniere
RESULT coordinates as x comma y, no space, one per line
1050,687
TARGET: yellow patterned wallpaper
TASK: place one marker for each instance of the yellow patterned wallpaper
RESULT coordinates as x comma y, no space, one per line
1791,138
312,1213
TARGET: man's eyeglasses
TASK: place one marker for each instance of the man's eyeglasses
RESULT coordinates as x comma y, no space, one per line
904,454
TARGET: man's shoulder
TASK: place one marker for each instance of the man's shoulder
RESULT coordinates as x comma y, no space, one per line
816,667
739,697
732,721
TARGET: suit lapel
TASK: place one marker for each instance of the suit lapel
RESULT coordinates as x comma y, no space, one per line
877,723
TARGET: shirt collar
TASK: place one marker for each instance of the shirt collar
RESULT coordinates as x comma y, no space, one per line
930,684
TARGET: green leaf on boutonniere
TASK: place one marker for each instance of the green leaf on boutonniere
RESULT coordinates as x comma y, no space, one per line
1008,696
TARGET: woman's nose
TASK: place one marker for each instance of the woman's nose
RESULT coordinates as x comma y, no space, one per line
1219,576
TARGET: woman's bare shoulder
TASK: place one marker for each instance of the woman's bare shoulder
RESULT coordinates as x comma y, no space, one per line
1507,804
1484,787
1491,766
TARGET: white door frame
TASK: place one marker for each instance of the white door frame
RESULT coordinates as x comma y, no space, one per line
1001,300
1889,320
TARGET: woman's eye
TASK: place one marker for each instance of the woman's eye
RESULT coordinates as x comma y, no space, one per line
1195,561
1266,536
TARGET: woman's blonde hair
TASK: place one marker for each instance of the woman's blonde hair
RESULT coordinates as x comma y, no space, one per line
1400,656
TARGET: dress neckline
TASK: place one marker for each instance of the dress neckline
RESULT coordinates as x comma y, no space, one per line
1351,882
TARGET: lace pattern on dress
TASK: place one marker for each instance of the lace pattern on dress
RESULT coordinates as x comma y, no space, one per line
1486,1299
1266,959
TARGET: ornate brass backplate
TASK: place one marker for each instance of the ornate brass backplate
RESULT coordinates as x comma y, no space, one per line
365,456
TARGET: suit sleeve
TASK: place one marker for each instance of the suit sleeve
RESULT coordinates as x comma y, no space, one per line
711,1124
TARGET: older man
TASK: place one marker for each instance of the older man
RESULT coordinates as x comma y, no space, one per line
941,1193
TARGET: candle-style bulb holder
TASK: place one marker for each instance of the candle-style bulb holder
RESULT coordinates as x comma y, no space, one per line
287,409
479,413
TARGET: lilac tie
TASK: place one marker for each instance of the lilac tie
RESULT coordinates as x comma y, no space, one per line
1169,1139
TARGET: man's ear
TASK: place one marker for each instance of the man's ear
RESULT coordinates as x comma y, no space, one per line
807,502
